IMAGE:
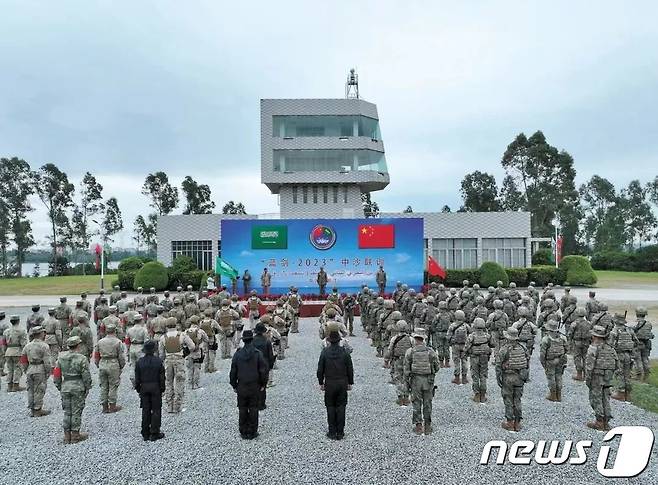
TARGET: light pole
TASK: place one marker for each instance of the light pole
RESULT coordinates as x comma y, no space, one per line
556,225
100,229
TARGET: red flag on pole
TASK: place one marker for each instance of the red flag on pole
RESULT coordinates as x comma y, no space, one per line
435,269
558,248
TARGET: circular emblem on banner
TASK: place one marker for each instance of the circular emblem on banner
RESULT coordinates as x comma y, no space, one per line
322,237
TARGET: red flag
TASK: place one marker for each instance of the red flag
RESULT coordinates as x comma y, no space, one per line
376,236
558,249
435,269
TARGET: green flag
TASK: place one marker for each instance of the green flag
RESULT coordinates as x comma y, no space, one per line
223,268
269,237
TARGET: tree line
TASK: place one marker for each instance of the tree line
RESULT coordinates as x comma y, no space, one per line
77,215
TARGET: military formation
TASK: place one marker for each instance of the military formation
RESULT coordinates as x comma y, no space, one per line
189,331
470,328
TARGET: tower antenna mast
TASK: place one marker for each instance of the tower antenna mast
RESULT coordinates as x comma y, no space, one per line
352,85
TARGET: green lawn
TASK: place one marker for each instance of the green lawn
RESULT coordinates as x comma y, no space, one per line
646,395
626,279
52,285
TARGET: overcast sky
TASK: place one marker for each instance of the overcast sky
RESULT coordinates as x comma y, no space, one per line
124,88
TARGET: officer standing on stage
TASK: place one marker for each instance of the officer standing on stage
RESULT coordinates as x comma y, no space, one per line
150,384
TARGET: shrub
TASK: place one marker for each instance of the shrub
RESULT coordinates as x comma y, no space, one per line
542,257
579,270
114,282
132,263
615,260
518,276
188,278
152,274
647,258
543,275
491,273
126,279
454,277
183,264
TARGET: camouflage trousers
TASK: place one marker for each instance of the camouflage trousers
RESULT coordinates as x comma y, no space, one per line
135,353
36,389
254,315
349,322
193,372
495,340
175,382
641,357
512,391
623,373
211,356
397,372
422,392
109,378
225,345
579,354
14,370
440,344
554,369
54,352
73,403
479,373
460,360
599,393
2,360
294,328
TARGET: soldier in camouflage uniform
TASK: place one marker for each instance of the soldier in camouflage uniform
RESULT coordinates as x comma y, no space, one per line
478,347
238,323
86,306
467,303
457,334
397,348
204,302
497,323
135,338
441,293
102,311
549,311
110,358
580,333
408,301
564,301
140,301
602,318
73,379
509,307
426,319
389,325
529,303
191,308
167,303
4,325
533,293
211,327
453,301
35,319
122,304
115,296
295,302
151,311
97,302
253,305
553,358
63,314
440,326
592,307
195,359
642,330
478,311
37,365
128,318
420,367
600,366
623,340
226,317
158,325
173,347
14,339
512,374
54,337
83,331
569,315
417,310
514,294
489,299
349,302
179,314
527,330
153,296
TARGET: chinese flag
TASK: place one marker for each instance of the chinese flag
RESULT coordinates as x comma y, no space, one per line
376,236
435,269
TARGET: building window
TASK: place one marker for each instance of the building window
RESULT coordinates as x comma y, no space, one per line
335,190
345,194
305,194
329,160
199,251
294,194
325,194
315,194
455,253
285,126
508,252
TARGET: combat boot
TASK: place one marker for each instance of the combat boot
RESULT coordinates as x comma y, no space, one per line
507,425
464,380
406,402
578,376
418,429
40,412
114,408
619,395
447,362
77,436
456,380
476,397
558,395
428,428
10,387
551,396
517,425
598,425
606,424
400,401
67,437
19,388
106,408
483,397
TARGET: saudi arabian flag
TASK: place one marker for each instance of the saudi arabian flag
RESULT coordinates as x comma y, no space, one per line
269,237
225,269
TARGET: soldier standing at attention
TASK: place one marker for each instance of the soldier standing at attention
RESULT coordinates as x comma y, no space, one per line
14,339
73,380
600,366
322,280
553,358
53,334
110,359
266,281
211,327
512,374
457,334
3,326
420,367
37,365
115,296
527,330
225,317
479,346
380,279
580,334
592,306
246,282
644,336
150,384
440,326
173,348
623,340
397,349
295,302
63,313
195,359
83,331
336,377
34,320
248,378
135,338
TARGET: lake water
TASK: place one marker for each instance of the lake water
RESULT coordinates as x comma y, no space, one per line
28,268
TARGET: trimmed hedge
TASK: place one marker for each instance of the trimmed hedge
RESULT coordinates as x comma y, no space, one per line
644,259
126,279
132,263
152,274
579,271
183,264
543,257
491,273
193,278
518,276
543,275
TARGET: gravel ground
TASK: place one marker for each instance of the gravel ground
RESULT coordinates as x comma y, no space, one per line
202,444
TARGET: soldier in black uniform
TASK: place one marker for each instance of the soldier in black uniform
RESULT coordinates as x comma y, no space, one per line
150,384
248,377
